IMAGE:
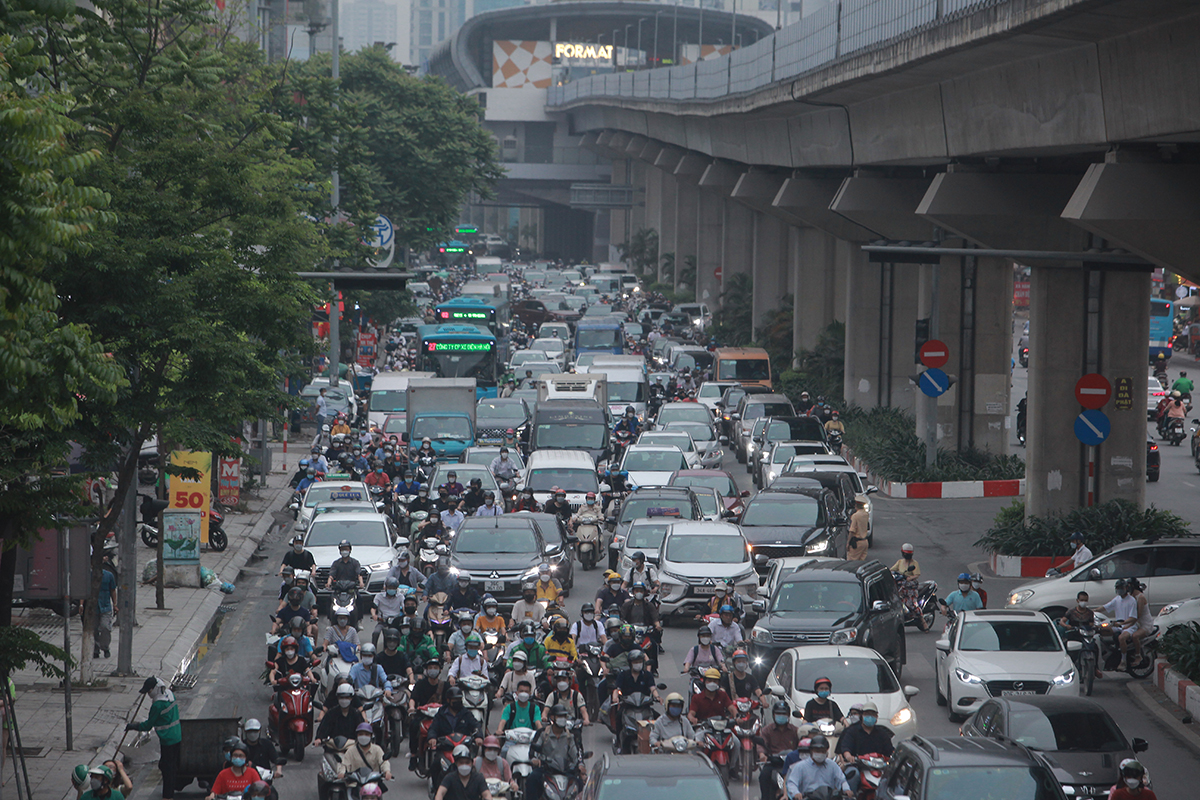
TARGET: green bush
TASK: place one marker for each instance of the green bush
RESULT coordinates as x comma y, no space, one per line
1105,525
1181,646
886,439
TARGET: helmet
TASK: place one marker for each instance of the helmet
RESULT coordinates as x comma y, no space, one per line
611,624
638,585
263,789
462,751
586,607
559,710
629,410
712,673
739,653
236,744
636,655
102,771
1176,394
520,655
289,641
638,555
964,577
1077,536
392,583
559,624
476,483
474,639
454,693
463,575
821,680
345,690
674,697
344,544
489,494
528,628
364,727
229,742
367,649
590,496
626,630
301,575
703,629
79,775
1134,585
870,707
490,602
252,725
780,707
804,744
818,742
906,548
492,741
295,595
725,609
1132,768
464,616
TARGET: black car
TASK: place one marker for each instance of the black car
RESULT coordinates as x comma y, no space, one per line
832,602
1077,737
1153,460
794,523
924,768
503,552
654,777
667,502
787,429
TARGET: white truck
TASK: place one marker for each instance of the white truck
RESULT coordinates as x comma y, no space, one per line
574,387
442,409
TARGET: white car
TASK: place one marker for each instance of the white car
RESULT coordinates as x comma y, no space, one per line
652,465
710,393
705,440
992,653
323,492
773,463
1180,613
694,557
373,539
522,357
679,439
858,675
552,349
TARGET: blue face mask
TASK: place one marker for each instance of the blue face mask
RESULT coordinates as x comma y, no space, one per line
391,592
869,721
781,719
529,640
238,761
472,653
824,693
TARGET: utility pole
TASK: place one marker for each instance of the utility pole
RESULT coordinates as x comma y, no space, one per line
732,27
335,333
127,584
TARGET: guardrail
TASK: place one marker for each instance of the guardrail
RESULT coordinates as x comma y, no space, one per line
837,29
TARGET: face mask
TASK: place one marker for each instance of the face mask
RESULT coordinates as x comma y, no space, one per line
740,666
560,498
464,769
299,548
639,595
1133,783
712,686
96,784
674,710
705,640
344,553
588,616
781,719
238,761
491,612
472,653
869,721
433,673
491,755
365,741
963,587
1081,604
852,718
563,685
819,758
465,628
379,471
344,702
528,640
560,722
423,494
405,631
456,705
489,502
290,653
368,660
252,736
544,576
614,586
636,667
824,693
591,502
522,697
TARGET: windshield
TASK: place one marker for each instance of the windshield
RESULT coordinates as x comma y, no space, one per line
321,494
1081,730
595,339
709,504
572,435
699,433
585,360
663,438
388,400
569,480
744,369
395,424
464,474
521,356
685,412
647,536
328,531
640,507
627,392
485,456
722,483
852,675
633,330
707,548
792,512
1027,637
500,413
808,429
465,363
670,787
710,390
480,539
653,461
992,783
757,410
547,345
838,598
456,428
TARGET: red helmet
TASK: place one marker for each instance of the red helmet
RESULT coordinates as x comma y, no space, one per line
591,496
492,741
288,641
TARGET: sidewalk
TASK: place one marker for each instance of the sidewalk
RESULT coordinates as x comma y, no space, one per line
164,644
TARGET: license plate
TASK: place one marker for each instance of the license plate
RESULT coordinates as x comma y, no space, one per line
704,590
493,586
1015,692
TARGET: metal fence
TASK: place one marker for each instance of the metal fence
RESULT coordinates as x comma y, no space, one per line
838,29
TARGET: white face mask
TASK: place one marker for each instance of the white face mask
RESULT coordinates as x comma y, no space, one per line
364,740
96,784
563,685
712,686
964,587
368,660
491,755
522,697
290,653
1133,783
299,548
636,667
464,769
639,595
705,640
819,758
344,702
491,612
1081,604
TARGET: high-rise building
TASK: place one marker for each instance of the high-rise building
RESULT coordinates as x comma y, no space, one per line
369,22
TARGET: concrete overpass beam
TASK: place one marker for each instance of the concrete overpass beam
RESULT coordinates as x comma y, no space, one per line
770,265
884,206
807,200
1150,209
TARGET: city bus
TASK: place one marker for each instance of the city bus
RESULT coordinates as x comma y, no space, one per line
460,351
490,314
1162,328
749,366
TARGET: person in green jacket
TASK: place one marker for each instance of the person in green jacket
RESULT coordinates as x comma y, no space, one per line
416,643
164,721
531,647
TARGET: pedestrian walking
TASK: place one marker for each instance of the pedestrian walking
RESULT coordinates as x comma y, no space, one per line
164,721
322,409
106,601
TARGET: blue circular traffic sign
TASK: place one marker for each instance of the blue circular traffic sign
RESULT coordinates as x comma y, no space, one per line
1092,427
933,382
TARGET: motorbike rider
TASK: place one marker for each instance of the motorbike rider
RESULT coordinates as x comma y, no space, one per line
1078,558
547,588
440,580
523,712
1133,783
341,719
490,507
503,468
387,605
298,557
535,651
407,485
405,574
554,751
490,620
366,671
464,594
301,471
612,593
632,679
704,654
562,691
340,631
429,688
821,706
310,477
294,605
589,514
517,671
299,629
779,736
865,736
465,783
805,405
423,502
345,568
641,572
965,598
725,595
490,764
453,718
910,584
527,609
558,506
816,770
741,680
638,610
364,755
235,778
289,660
392,660
559,643
453,515
416,642
629,422
452,485
712,701
359,462
835,424
1183,384
1143,623
587,629
727,632
260,749
527,502
378,477
473,497
318,461
673,723
471,662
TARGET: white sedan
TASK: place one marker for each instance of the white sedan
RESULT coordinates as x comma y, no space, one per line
652,465
857,674
1001,654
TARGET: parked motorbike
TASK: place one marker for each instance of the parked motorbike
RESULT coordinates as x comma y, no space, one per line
290,721
718,742
218,540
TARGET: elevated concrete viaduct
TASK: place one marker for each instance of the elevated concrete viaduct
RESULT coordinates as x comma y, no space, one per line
1060,134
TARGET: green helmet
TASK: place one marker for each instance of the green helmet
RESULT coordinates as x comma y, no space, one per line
474,639
102,771
79,775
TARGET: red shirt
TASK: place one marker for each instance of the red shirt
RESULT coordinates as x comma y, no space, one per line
704,706
229,783
1123,793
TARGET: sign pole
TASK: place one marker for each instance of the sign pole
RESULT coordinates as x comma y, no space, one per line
932,404
64,571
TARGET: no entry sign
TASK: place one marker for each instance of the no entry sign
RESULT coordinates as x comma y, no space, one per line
1093,390
934,354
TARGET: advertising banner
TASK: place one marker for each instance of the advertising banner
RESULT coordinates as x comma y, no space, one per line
186,495
367,348
229,479
181,543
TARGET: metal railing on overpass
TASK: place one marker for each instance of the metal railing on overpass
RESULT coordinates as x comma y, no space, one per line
838,29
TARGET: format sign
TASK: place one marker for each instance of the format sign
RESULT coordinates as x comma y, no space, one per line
568,50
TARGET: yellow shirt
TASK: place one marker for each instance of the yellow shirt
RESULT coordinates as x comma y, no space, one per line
902,567
556,649
340,428
485,624
547,591
835,425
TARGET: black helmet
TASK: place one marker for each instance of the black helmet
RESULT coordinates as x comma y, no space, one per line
818,742
1120,584
780,707
629,410
344,543
454,693
391,583
636,655
477,483
559,710
586,607
295,594
489,495
638,555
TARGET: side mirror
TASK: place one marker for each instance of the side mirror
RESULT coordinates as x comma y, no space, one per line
735,416
778,692
879,606
911,691
798,714
942,645
1140,745
402,541
725,439
760,559
871,490
1074,647
1094,574
611,520
745,493
662,687
604,487
759,606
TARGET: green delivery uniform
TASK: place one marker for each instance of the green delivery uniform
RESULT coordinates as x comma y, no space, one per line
164,721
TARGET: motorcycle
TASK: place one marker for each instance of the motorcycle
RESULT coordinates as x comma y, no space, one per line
636,708
427,554
676,744
1110,649
620,440
746,726
400,510
493,653
519,741
218,540
395,715
1086,659
563,785
1175,431
331,759
441,755
333,668
359,779
508,493
870,766
423,466
588,675
587,543
344,600
370,705
426,712
477,697
440,623
290,721
922,608
835,442
718,743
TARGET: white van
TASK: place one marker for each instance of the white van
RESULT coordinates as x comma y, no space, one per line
620,361
389,393
573,471
626,387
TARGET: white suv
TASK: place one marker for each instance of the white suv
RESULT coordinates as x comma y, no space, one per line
694,557
1001,654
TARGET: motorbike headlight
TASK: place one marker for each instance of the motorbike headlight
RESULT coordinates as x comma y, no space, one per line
902,717
1066,679
1016,598
380,567
761,636
967,678
844,636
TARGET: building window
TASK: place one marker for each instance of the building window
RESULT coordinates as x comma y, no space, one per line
264,27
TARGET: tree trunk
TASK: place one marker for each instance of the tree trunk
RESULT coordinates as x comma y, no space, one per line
159,492
8,571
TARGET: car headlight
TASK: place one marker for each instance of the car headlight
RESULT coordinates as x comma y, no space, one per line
1065,679
770,476
382,565
817,547
966,677
1016,598
1169,609
844,636
761,636
902,717
749,447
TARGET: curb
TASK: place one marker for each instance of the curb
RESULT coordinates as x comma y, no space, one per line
1021,566
940,490
1164,707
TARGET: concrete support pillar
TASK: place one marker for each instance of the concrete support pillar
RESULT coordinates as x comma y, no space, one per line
991,296
668,192
1088,321
637,177
618,226
819,294
710,212
687,202
737,241
863,323
770,270
654,204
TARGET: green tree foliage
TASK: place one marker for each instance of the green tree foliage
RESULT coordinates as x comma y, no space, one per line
641,251
734,325
1106,525
821,370
775,335
1181,647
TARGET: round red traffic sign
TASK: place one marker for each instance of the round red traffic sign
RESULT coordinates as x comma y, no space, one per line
1093,390
934,354
717,273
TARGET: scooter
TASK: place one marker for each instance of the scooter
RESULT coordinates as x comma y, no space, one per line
477,698
441,760
426,712
1086,659
746,726
427,554
333,668
564,785
636,708
519,741
440,623
344,601
218,540
718,743
395,715
588,675
362,778
587,543
327,776
370,705
924,608
292,726
1175,431
870,766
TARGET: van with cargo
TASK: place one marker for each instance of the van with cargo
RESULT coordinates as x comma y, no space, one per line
389,395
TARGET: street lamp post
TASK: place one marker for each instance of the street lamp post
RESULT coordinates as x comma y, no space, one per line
641,56
656,13
733,26
335,334
614,41
700,38
675,38
627,27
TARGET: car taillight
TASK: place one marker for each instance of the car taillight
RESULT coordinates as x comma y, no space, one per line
1153,447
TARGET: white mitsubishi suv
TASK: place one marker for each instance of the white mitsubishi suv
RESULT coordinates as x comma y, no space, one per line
1001,654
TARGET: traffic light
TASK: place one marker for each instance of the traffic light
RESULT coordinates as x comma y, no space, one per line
922,338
